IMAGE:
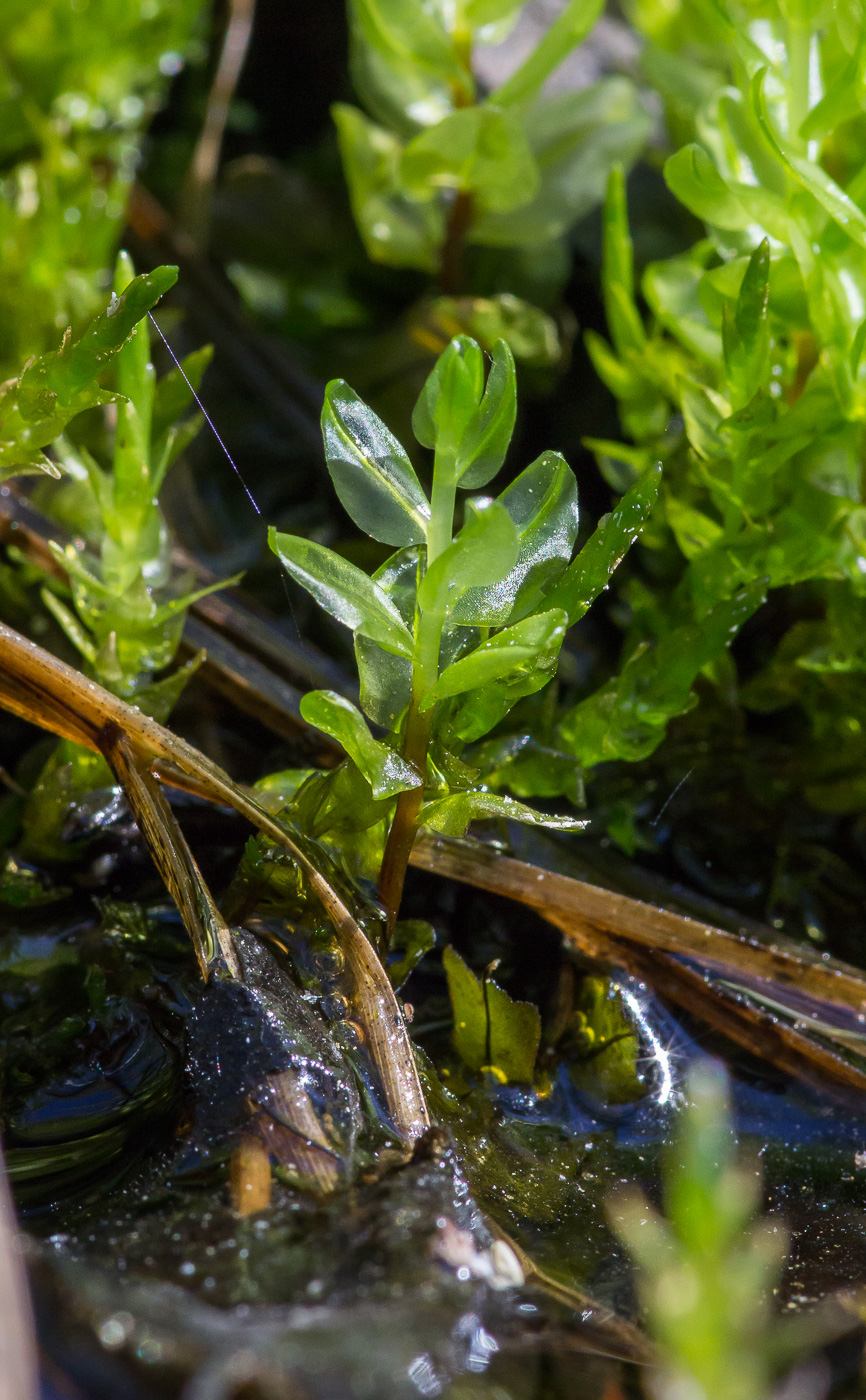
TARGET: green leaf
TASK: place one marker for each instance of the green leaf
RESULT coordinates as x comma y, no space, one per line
576,137
450,397
530,769
484,552
469,424
692,177
483,446
395,229
371,473
542,502
704,412
385,771
488,703
603,551
343,590
386,680
623,319
569,29
173,394
408,32
627,718
694,531
491,1032
514,649
35,409
672,289
450,816
746,332
480,13
479,150
848,215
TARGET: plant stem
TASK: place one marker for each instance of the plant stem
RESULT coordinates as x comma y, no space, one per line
425,673
401,837
459,222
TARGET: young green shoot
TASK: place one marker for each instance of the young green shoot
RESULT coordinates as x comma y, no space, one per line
455,627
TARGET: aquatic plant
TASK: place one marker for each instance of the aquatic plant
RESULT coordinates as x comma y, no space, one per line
78,85
747,381
707,1268
478,189
454,628
129,602
120,602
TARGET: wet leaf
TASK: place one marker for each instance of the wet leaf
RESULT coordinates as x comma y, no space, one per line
542,502
386,772
451,815
514,649
344,591
616,533
373,477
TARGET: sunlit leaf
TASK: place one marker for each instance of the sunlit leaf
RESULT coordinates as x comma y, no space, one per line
514,649
385,771
606,547
343,590
542,502
483,552
451,815
372,475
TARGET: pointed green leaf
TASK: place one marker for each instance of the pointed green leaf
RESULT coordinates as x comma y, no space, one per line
487,703
385,771
628,717
848,215
450,816
450,397
623,319
746,331
614,537
343,590
569,29
485,442
371,473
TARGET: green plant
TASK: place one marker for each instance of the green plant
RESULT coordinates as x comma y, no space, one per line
453,629
129,603
748,382
706,1273
77,86
125,605
55,388
480,191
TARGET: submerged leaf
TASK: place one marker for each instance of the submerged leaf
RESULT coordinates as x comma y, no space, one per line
491,1032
